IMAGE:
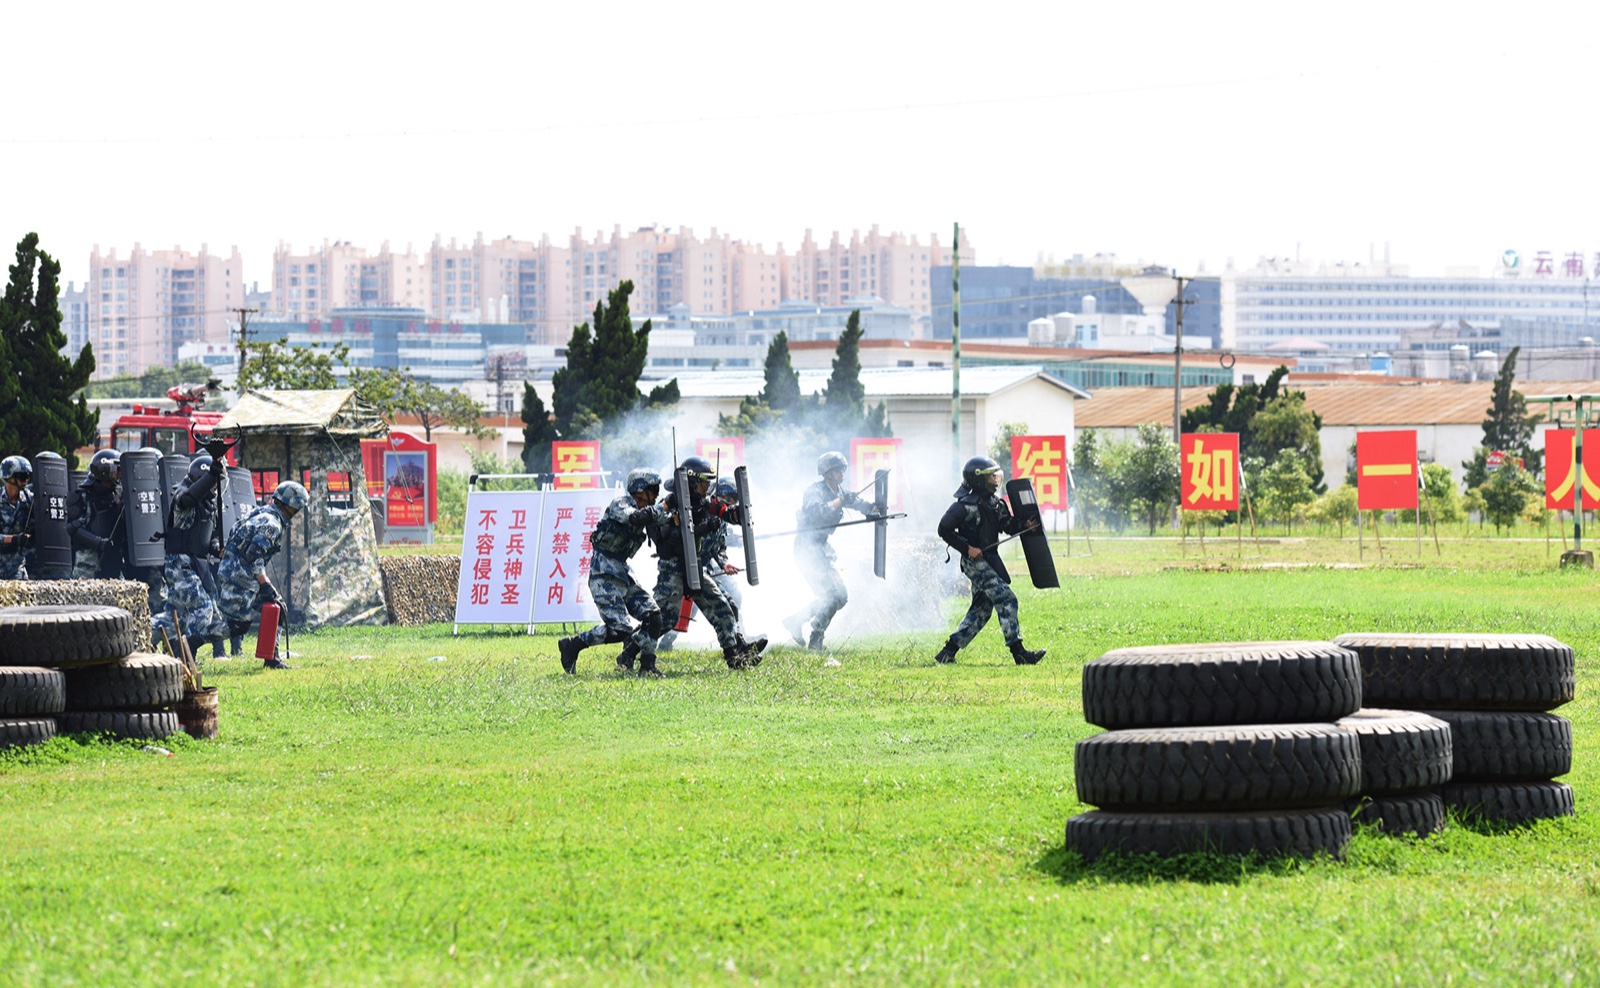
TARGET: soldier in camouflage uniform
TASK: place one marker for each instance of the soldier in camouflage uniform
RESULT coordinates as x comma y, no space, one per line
94,517
972,527
672,585
820,511
192,540
242,584
615,540
714,560
16,517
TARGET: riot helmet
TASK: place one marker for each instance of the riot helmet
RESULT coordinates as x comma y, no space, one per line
641,480
291,497
727,489
16,467
198,466
701,473
106,466
981,473
830,461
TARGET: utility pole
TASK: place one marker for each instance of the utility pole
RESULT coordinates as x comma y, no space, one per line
955,352
244,335
1177,364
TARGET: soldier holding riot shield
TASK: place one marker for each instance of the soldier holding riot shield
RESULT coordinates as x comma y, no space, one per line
192,542
16,517
820,512
972,526
95,518
714,560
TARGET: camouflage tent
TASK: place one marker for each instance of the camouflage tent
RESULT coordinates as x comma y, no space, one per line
328,569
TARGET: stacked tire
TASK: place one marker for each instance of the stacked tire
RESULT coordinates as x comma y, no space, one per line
1222,747
74,666
1495,693
1405,759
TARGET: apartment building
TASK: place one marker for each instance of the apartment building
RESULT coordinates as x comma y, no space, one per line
145,306
341,275
892,267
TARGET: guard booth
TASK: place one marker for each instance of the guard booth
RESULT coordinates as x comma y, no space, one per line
328,568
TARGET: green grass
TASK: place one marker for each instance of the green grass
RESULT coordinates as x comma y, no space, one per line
484,819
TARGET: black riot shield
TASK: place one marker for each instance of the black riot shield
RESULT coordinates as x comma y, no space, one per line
747,527
174,469
1035,545
53,542
682,496
141,506
880,531
239,500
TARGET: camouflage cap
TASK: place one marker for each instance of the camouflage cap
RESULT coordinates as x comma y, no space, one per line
291,495
13,466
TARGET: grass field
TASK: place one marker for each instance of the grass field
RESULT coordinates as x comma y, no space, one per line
382,816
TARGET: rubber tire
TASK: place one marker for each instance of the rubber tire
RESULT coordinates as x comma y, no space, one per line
1299,832
1510,802
141,681
1287,682
1248,767
16,732
63,635
1508,745
1401,750
1419,813
139,725
1465,671
26,690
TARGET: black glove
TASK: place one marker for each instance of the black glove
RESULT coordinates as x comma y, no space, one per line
25,540
218,464
106,545
268,594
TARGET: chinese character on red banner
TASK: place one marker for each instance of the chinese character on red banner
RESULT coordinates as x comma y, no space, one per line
1209,466
867,457
1560,445
1386,470
1042,459
725,454
575,457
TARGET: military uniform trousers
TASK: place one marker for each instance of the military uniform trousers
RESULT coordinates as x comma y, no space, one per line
189,601
816,565
989,594
671,588
617,597
13,565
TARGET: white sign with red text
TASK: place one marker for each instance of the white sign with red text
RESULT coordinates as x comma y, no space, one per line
525,557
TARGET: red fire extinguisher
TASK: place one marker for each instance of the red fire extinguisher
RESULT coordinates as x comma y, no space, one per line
685,612
267,638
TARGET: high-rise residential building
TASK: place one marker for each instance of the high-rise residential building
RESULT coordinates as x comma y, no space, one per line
75,318
503,281
341,275
142,308
892,267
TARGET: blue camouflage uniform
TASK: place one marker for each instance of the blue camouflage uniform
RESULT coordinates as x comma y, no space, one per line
251,544
713,556
16,519
616,540
672,576
815,557
977,518
190,575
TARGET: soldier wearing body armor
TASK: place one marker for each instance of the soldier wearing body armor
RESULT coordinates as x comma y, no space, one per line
972,526
242,584
672,584
615,540
95,519
16,517
714,560
193,541
820,512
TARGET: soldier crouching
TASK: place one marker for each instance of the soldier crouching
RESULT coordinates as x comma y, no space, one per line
242,584
616,540
972,527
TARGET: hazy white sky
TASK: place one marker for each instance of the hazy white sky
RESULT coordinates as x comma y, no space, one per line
1170,132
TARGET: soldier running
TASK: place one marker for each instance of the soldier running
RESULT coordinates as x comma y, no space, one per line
820,511
16,517
615,540
972,527
714,560
672,585
242,584
192,541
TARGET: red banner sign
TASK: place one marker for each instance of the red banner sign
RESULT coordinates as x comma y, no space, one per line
725,454
1209,465
1043,460
1386,470
571,460
867,456
1559,477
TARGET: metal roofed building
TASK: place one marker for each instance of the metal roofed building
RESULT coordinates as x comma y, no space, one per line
1448,415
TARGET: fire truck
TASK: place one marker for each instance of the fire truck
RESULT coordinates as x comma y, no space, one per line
168,431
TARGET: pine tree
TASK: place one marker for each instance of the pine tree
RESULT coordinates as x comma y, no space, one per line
843,397
782,390
601,380
37,412
1509,425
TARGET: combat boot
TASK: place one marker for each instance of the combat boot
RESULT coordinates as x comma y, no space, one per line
648,670
219,649
815,644
276,663
236,646
570,647
947,654
630,651
1024,657
736,657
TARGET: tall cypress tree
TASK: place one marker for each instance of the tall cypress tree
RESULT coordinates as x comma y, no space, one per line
843,397
537,431
1509,425
782,391
37,412
601,380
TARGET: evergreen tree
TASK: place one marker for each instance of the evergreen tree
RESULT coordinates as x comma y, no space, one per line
600,383
37,383
782,390
1509,425
1269,418
538,432
276,365
844,394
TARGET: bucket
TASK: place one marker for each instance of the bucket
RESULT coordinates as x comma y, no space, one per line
197,712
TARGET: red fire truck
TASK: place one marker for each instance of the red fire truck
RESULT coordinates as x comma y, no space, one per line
168,431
